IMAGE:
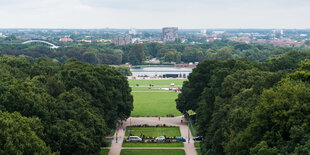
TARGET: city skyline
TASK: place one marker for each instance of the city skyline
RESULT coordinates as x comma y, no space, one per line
196,14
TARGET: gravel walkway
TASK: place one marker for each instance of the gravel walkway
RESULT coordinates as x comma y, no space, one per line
189,147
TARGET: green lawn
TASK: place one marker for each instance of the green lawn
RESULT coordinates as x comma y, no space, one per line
154,104
104,151
180,144
153,131
197,144
154,101
156,82
198,152
152,152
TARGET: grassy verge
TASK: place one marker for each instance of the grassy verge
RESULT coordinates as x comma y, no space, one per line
198,152
152,152
156,82
197,144
153,131
104,151
153,144
194,128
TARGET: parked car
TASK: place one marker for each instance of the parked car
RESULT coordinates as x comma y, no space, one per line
160,138
198,138
181,139
134,139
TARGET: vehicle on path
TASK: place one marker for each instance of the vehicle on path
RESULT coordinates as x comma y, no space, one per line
181,139
198,138
134,139
160,138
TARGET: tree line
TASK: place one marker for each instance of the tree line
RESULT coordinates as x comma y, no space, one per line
246,107
99,53
49,107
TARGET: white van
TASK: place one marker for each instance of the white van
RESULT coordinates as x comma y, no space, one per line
134,139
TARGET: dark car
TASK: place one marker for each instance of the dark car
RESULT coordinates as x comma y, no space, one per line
181,139
198,138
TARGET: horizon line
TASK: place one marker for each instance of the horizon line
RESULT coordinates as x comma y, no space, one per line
107,28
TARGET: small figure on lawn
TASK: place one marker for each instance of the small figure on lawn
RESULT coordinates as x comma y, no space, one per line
159,118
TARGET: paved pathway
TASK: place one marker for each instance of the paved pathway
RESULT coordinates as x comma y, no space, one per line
189,147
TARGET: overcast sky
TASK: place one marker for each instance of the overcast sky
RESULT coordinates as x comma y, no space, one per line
184,14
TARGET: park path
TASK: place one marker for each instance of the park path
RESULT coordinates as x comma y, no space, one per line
119,135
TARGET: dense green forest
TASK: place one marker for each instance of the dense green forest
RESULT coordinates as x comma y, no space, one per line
52,107
100,53
246,107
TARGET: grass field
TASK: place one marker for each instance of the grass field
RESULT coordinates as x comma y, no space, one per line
153,131
154,104
180,144
152,152
154,101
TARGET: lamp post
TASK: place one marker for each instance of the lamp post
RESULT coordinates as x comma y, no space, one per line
117,128
188,132
130,126
116,136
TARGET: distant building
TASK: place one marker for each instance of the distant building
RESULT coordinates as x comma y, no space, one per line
152,61
85,41
104,40
218,32
65,40
121,39
169,34
132,31
2,36
136,40
203,31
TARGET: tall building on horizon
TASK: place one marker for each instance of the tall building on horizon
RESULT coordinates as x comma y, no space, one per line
132,31
121,39
203,31
169,34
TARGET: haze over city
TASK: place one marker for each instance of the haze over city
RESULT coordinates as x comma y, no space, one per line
194,14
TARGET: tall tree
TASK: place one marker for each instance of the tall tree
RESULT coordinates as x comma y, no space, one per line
136,54
21,135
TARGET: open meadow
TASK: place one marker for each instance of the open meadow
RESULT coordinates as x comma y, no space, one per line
157,100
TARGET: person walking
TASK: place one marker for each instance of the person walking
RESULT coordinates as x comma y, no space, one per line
159,118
